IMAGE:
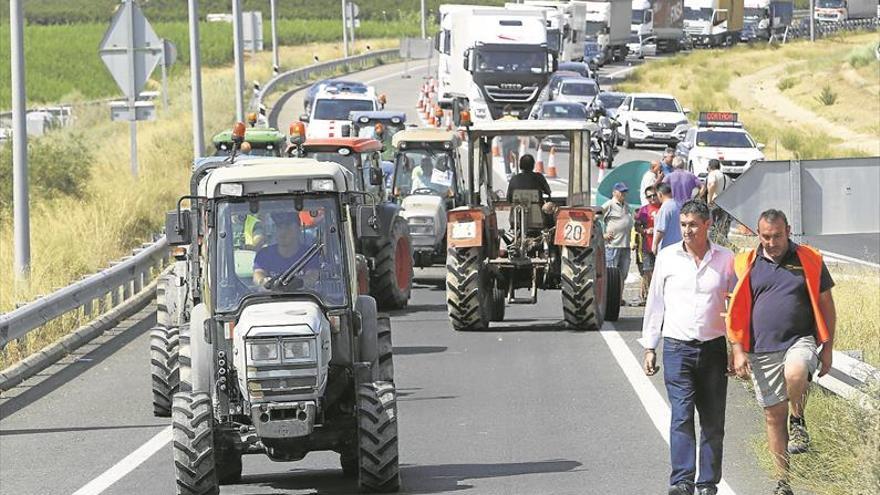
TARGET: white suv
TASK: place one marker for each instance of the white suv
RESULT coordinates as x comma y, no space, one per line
652,118
331,110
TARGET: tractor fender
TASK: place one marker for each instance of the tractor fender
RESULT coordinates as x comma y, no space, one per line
387,213
201,350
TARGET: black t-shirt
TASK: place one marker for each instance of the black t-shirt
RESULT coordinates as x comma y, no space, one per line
781,309
527,180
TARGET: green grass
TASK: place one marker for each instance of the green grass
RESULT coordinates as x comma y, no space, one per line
62,62
786,83
862,56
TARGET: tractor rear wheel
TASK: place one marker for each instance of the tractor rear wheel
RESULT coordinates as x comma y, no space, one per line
468,295
193,440
184,360
386,350
391,281
378,462
162,317
583,295
160,371
612,293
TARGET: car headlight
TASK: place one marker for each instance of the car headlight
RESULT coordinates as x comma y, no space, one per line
263,350
300,350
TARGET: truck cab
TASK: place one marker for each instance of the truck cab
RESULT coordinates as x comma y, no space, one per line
713,23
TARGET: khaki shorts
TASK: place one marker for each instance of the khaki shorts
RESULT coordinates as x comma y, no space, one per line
768,369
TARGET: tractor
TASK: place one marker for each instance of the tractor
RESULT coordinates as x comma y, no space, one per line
554,244
427,183
281,354
381,125
389,255
262,141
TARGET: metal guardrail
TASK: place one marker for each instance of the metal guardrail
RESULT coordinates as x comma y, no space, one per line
823,29
118,283
307,73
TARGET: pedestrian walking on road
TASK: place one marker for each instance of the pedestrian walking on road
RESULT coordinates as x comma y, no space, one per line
685,304
645,219
619,221
651,178
685,185
667,230
716,183
780,311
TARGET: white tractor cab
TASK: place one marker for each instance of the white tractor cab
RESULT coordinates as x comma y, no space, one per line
427,183
281,355
554,244
331,111
720,135
494,59
380,125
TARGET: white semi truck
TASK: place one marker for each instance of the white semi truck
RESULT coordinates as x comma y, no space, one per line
566,21
713,23
763,18
844,10
493,59
663,19
608,22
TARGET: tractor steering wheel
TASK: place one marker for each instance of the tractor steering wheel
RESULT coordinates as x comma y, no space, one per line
424,190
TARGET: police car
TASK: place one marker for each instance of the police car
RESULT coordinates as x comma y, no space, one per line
330,113
719,135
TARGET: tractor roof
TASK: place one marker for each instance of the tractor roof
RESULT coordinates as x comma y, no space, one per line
356,144
275,176
526,127
425,134
253,136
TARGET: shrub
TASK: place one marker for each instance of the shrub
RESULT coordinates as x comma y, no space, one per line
863,55
786,83
827,97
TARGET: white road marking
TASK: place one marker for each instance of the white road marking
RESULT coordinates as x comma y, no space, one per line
126,465
614,74
650,398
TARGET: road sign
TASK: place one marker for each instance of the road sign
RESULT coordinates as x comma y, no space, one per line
129,26
169,54
820,197
252,31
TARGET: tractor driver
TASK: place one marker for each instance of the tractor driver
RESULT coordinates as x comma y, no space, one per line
273,260
528,179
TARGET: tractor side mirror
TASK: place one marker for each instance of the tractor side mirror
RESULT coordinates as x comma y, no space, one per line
304,117
376,177
368,222
177,228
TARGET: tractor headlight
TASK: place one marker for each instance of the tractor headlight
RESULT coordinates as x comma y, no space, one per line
299,350
263,350
323,185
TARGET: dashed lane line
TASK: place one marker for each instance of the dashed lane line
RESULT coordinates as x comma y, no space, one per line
127,464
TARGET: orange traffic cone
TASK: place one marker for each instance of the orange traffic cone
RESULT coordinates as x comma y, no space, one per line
539,162
551,163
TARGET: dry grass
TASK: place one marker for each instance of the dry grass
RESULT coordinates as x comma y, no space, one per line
73,237
702,81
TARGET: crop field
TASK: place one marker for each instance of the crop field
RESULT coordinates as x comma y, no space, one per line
62,62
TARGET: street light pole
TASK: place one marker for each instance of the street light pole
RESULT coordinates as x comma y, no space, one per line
21,216
239,60
344,28
424,31
275,63
812,20
195,69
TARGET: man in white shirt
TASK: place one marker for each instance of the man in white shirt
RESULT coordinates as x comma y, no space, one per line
685,303
650,178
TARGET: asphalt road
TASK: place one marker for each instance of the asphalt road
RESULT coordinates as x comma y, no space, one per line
527,407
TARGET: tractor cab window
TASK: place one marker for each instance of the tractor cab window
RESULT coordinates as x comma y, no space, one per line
424,171
258,241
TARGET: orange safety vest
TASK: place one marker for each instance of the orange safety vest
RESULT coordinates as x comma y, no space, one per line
739,314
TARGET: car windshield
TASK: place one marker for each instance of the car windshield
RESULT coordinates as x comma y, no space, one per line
655,105
349,161
753,12
579,89
580,69
424,171
831,4
510,61
638,16
724,139
258,238
576,111
698,14
326,109
611,100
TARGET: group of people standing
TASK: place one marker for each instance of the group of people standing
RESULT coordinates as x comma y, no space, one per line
766,314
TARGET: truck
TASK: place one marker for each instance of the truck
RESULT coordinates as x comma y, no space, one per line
566,22
764,18
642,20
843,10
713,23
608,22
667,24
504,55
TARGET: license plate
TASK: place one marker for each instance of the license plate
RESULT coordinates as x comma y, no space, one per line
464,230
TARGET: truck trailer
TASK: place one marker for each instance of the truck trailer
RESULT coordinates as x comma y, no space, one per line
713,23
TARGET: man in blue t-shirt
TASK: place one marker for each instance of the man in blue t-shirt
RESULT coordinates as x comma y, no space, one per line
272,260
667,230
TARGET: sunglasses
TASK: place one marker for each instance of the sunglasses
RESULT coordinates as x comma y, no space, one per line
651,196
